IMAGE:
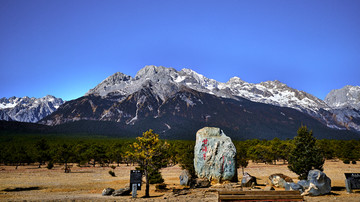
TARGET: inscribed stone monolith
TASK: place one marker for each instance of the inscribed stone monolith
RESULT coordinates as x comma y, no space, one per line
214,155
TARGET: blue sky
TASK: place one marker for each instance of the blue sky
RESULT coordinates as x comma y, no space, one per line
64,48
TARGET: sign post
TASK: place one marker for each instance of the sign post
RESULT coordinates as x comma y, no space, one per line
135,181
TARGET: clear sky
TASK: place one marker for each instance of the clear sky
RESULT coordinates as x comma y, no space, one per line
66,47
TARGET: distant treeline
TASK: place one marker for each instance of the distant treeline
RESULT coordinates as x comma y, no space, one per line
101,151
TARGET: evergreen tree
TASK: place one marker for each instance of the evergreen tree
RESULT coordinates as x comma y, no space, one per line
42,151
186,157
306,155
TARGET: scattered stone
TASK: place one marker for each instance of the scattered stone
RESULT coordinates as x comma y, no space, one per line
214,156
107,191
185,178
248,180
201,183
279,180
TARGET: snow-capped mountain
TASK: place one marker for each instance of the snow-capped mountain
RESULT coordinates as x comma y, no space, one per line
167,81
346,97
28,109
180,102
345,104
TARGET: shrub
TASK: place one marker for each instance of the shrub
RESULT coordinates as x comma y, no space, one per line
346,161
353,162
155,177
50,165
113,167
112,173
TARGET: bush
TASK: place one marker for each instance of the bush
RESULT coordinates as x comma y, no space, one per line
112,173
113,167
346,161
353,162
50,165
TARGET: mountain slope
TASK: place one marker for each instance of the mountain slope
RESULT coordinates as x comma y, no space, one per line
182,114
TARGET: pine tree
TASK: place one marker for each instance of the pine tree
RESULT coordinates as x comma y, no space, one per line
150,153
306,155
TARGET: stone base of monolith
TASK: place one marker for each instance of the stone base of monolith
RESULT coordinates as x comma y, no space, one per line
215,156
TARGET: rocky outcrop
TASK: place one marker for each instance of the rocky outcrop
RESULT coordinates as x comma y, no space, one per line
214,156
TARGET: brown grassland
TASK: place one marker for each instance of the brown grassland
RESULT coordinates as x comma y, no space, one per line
86,183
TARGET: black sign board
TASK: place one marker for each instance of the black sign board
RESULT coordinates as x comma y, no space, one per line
352,181
136,178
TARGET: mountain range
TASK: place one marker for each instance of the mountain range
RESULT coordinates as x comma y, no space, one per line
28,109
178,103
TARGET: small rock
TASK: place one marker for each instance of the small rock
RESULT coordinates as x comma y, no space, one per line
248,180
122,192
279,180
202,183
107,191
185,178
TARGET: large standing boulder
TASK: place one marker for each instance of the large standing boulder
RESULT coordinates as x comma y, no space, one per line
214,156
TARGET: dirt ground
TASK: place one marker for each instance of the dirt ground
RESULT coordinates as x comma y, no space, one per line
29,183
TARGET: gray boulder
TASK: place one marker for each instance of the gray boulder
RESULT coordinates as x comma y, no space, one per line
107,191
214,156
122,192
185,178
248,180
319,183
279,180
316,184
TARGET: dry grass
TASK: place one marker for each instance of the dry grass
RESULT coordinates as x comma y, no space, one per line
87,183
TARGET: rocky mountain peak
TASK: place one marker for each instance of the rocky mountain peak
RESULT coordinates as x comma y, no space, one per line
235,80
346,97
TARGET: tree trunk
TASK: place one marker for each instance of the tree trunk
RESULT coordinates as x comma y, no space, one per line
147,187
